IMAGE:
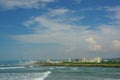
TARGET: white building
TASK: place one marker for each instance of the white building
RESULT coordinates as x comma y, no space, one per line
69,60
97,60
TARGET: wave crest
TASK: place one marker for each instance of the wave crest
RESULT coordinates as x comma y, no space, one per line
11,67
43,75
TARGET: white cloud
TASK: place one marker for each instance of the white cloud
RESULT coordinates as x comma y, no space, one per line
116,43
47,1
93,9
115,14
11,4
59,11
115,10
50,24
78,1
93,46
76,18
58,30
49,30
90,40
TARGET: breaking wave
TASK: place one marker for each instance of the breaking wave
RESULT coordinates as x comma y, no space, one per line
74,69
43,75
11,67
25,76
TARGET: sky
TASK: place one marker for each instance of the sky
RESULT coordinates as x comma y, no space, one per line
59,29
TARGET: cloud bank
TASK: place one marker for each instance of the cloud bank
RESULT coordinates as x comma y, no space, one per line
56,27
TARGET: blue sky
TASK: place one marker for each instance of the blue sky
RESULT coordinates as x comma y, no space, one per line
59,29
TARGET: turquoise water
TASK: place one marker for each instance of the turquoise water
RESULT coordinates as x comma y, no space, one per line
17,72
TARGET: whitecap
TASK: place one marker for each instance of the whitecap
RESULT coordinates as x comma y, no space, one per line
11,67
43,75
60,67
31,66
51,68
110,79
75,69
25,76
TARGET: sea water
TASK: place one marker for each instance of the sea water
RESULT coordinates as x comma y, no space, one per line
13,71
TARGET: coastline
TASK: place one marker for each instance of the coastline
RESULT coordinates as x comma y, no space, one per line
79,64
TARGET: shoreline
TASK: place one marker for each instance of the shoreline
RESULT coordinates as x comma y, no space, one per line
79,64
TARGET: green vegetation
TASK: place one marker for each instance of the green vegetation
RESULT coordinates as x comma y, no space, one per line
87,64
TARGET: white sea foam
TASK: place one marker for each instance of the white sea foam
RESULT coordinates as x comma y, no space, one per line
43,76
51,68
60,67
111,79
24,76
11,67
31,66
74,69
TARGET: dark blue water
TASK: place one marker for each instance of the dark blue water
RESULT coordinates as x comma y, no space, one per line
11,70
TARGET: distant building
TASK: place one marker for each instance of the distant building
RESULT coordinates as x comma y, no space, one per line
97,60
69,60
48,60
84,60
53,61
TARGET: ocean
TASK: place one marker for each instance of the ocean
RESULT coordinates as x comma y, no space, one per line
11,70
